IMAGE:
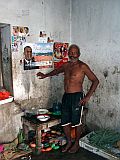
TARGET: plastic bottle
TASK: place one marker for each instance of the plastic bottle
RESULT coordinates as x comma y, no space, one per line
20,136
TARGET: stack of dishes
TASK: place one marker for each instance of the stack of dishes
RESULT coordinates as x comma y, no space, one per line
42,115
42,111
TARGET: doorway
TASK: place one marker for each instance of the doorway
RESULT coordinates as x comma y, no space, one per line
5,58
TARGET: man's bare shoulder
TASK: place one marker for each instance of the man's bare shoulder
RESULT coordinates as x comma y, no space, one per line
63,67
83,64
65,64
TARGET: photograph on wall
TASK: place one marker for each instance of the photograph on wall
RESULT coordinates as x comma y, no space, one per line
42,37
60,53
19,35
20,31
38,55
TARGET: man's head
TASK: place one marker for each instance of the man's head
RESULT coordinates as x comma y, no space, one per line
28,52
74,52
26,29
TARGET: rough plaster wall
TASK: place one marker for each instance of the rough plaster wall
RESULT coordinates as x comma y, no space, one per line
10,121
96,29
53,17
49,15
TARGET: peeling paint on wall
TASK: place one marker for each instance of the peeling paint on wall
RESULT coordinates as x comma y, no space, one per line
105,73
95,28
116,70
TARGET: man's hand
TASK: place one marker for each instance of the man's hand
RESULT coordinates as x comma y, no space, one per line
84,101
41,75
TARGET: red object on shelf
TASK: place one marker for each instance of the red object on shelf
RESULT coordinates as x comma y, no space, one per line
4,95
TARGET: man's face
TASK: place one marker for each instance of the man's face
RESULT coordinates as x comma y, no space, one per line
73,54
26,30
28,53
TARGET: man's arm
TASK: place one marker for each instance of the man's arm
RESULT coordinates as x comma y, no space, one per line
92,77
52,73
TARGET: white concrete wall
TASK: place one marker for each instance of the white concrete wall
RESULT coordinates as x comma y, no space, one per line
10,122
47,15
96,29
52,16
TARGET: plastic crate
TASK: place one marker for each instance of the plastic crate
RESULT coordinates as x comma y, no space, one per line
84,143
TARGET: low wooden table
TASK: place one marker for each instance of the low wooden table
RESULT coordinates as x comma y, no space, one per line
31,122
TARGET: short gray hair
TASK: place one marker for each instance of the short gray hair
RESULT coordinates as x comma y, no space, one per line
74,46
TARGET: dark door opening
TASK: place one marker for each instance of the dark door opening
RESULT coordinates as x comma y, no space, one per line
5,58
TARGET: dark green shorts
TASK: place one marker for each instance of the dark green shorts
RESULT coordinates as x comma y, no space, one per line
71,109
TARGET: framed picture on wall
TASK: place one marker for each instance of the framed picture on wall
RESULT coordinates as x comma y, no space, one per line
40,55
60,53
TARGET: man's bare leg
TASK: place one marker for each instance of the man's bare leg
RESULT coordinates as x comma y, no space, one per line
67,131
75,147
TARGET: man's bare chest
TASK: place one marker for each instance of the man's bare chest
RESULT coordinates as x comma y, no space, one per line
73,71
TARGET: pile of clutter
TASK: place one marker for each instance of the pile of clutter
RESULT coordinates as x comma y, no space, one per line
14,149
52,139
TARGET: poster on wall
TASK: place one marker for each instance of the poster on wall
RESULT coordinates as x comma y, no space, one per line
38,55
19,34
60,53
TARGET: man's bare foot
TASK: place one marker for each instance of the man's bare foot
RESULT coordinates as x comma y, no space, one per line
67,147
74,148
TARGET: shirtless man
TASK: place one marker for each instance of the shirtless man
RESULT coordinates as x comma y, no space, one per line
73,99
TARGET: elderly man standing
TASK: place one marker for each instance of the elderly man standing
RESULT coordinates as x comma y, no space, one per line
73,99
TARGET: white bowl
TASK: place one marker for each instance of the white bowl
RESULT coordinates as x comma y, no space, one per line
42,111
43,117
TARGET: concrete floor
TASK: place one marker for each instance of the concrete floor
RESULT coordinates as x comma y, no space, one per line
82,154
